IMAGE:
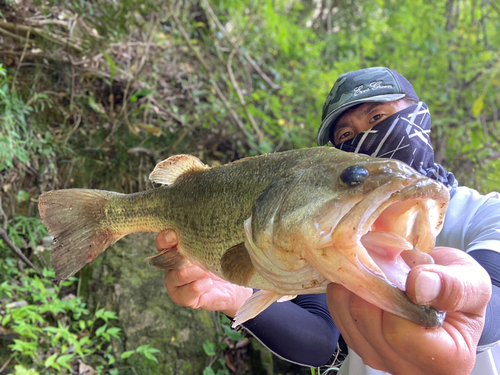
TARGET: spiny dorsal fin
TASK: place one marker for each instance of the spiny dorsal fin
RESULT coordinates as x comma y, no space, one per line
237,266
167,171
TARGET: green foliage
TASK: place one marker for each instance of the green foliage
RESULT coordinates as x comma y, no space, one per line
215,348
53,333
225,79
19,140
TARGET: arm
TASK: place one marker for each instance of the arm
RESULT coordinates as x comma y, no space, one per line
490,261
301,331
482,242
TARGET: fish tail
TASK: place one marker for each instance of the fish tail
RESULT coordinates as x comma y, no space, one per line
77,218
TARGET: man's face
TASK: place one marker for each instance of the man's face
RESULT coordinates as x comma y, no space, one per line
364,117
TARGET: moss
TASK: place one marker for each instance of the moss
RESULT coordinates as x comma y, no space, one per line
147,314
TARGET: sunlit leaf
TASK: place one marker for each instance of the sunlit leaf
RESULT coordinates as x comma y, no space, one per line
477,106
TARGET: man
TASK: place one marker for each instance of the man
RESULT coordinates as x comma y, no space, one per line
376,111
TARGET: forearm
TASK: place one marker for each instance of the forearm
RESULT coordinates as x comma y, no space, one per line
490,260
301,331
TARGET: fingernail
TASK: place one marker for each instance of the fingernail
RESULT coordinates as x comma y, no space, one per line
170,237
427,287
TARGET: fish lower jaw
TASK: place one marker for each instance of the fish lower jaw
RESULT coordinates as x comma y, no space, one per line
381,243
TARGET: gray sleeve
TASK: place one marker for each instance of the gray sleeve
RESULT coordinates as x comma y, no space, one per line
484,228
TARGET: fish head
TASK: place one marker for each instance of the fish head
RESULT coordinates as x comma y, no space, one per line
351,218
388,202
386,210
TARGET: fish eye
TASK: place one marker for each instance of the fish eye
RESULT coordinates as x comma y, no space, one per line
354,175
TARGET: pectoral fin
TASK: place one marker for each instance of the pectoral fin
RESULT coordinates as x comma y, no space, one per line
168,260
237,266
257,303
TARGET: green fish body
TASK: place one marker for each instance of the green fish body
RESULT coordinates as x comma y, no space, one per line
287,223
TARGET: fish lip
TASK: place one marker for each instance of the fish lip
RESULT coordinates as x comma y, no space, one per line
360,219
346,239
421,190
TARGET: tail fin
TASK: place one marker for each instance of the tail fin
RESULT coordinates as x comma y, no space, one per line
77,220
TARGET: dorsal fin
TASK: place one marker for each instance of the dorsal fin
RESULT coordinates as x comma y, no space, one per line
168,170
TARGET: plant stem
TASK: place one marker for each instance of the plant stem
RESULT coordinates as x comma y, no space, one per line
18,252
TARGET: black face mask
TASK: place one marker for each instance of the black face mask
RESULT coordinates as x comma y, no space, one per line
403,136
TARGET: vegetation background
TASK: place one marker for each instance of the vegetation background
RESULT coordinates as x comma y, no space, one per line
94,93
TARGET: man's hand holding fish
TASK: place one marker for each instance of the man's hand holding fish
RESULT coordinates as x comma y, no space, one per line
456,283
192,287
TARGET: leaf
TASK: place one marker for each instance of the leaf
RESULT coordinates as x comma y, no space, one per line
143,92
477,106
99,313
23,196
51,329
6,319
112,65
127,354
21,370
111,359
95,106
109,315
209,348
49,362
48,273
101,330
64,359
150,356
232,334
208,371
114,331
155,130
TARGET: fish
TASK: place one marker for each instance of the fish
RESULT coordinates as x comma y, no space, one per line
285,223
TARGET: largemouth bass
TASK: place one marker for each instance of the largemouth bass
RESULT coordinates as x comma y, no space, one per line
287,223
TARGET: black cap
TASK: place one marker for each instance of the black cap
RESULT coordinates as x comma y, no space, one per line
377,84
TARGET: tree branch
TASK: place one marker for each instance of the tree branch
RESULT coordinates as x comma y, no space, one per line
212,81
251,61
242,98
44,34
18,252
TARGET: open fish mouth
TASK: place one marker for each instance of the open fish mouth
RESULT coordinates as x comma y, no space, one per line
378,234
409,220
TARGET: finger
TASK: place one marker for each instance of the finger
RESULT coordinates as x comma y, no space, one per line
339,304
455,283
166,240
371,324
190,295
415,258
184,276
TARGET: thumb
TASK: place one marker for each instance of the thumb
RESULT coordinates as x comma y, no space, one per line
455,283
166,240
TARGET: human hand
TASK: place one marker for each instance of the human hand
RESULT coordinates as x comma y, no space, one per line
456,283
193,287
